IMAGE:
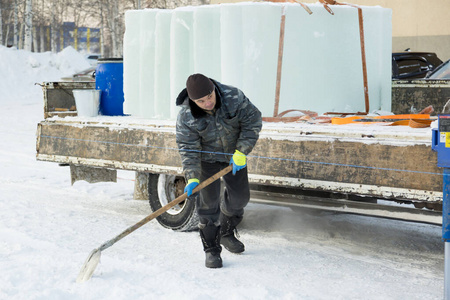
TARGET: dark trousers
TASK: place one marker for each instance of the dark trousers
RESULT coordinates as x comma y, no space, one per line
231,201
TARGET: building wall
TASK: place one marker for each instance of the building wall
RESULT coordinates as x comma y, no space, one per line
421,25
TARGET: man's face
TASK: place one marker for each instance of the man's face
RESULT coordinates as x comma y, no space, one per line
208,102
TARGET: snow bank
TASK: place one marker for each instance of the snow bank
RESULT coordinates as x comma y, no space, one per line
20,70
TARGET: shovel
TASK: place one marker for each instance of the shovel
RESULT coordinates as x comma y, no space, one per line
93,259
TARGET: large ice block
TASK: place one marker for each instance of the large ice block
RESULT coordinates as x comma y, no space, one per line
238,44
322,66
206,41
260,36
162,65
147,63
231,44
379,48
181,52
131,64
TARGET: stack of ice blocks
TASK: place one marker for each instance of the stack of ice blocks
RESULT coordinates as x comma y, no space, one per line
237,44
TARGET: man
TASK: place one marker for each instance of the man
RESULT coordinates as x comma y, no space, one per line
217,126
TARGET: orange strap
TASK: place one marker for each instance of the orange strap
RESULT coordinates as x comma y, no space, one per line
404,119
307,114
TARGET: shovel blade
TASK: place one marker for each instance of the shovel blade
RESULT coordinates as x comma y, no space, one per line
89,266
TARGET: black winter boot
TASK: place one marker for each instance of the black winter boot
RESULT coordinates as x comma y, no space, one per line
210,235
227,230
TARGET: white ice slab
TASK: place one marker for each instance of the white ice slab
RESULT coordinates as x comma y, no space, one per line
237,44
131,64
162,65
206,44
147,62
181,52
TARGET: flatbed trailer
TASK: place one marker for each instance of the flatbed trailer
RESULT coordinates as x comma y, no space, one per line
377,170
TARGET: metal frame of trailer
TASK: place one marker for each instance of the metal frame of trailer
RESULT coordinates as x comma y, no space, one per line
384,173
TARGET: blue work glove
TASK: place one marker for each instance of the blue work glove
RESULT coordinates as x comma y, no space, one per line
239,161
191,184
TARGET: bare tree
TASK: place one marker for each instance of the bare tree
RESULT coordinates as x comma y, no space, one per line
112,21
54,29
57,13
16,24
19,17
28,21
1,25
6,13
8,29
41,22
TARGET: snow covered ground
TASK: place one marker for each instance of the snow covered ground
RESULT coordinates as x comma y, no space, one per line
48,228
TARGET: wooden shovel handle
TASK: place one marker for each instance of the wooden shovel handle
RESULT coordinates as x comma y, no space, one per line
165,208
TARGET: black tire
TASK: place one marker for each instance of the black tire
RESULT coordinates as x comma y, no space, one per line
165,188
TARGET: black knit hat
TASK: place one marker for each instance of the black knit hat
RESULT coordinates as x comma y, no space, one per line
198,86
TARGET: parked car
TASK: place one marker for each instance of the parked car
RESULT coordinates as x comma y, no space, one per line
85,75
414,95
93,58
412,65
442,72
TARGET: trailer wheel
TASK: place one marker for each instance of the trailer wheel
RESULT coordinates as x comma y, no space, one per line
165,188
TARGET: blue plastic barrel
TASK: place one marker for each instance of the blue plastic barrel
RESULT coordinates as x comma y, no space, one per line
109,79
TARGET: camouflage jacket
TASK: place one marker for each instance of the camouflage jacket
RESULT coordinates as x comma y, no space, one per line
200,136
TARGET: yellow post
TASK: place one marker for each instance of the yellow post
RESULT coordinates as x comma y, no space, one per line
75,38
88,41
48,38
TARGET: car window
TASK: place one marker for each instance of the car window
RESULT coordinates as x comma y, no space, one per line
412,65
442,72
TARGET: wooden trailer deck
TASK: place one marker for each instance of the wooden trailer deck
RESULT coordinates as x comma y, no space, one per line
394,163
336,167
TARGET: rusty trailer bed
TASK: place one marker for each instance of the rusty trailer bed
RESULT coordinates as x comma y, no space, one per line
346,167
